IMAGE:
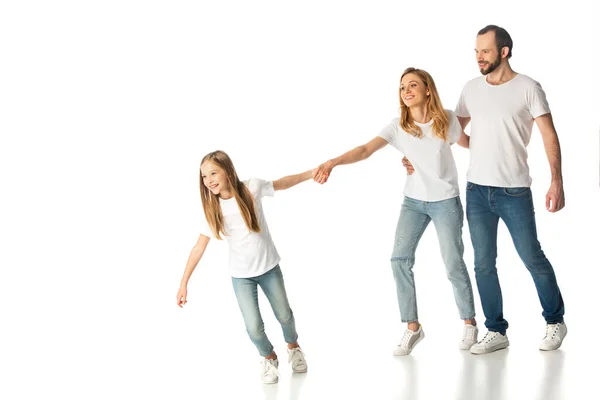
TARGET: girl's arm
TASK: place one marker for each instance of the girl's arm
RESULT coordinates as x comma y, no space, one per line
292,180
357,154
192,262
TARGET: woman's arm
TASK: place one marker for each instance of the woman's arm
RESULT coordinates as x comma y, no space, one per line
321,174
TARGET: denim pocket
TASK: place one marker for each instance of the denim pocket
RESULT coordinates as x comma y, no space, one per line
469,185
517,191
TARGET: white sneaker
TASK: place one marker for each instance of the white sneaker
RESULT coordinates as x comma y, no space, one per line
555,333
492,341
469,337
296,360
409,341
269,371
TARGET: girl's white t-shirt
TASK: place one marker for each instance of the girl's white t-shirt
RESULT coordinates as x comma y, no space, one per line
435,177
250,253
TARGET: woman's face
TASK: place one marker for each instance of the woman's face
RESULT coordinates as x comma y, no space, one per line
413,90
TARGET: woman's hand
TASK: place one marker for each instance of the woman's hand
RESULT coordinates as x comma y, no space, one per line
322,172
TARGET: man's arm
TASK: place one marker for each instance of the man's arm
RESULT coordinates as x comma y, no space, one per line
555,198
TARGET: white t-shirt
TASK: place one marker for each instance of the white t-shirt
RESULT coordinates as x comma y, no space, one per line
435,176
250,253
501,123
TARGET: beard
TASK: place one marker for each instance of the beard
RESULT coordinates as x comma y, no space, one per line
492,66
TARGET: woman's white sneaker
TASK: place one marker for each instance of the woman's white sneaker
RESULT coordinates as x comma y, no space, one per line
296,360
492,341
469,337
409,341
269,370
555,333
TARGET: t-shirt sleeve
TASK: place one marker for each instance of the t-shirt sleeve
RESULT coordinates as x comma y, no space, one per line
261,188
204,228
461,106
536,101
454,129
390,133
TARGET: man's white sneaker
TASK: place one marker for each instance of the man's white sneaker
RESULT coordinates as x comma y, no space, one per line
296,360
492,341
555,333
269,371
469,337
409,341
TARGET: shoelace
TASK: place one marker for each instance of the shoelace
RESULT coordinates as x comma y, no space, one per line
269,368
551,331
295,358
469,333
489,336
406,338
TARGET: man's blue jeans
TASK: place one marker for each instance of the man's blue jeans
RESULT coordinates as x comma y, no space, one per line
485,206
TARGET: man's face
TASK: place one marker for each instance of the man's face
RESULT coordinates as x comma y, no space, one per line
486,51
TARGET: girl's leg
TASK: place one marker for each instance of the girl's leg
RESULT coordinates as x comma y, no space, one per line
247,296
274,288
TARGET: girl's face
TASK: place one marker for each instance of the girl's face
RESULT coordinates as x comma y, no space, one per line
413,91
215,179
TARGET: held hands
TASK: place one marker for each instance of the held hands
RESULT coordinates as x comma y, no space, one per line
322,172
555,198
182,296
409,167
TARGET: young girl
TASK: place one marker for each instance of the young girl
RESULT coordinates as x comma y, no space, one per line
233,209
424,133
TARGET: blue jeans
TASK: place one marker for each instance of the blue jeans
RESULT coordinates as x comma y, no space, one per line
447,216
246,292
485,206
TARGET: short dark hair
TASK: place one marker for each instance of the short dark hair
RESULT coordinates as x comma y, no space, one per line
503,39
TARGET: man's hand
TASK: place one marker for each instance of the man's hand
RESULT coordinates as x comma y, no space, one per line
555,198
409,167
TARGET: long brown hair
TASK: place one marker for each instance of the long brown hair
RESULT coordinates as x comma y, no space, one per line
434,108
210,201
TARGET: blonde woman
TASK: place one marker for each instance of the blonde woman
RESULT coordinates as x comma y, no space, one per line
424,133
233,210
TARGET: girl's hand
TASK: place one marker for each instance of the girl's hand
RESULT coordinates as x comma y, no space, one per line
322,172
182,296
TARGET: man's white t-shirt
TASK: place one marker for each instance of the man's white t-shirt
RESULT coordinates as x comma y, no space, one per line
250,253
435,176
501,124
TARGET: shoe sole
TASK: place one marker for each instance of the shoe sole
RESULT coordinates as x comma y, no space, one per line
414,345
490,350
270,383
463,347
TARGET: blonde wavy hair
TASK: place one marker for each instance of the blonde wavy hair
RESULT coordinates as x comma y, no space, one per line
434,108
210,201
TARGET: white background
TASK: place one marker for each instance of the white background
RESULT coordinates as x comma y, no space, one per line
106,109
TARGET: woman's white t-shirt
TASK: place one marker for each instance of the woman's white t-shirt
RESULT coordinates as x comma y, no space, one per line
435,177
250,253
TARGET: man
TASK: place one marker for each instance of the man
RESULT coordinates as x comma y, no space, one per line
502,106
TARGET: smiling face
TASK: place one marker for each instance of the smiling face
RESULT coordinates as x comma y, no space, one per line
486,52
215,179
413,91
